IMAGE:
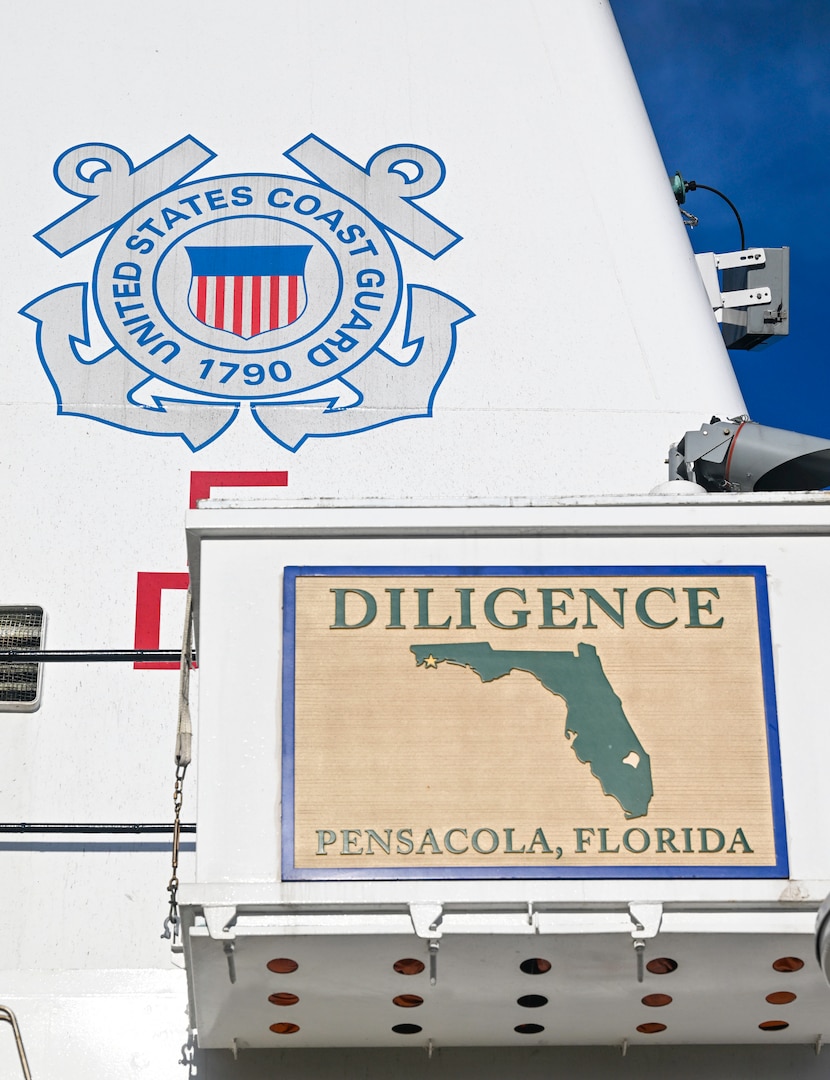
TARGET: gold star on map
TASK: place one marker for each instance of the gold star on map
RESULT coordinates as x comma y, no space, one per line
430,661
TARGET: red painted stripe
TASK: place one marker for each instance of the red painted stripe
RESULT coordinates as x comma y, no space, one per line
256,300
219,306
728,465
202,482
275,304
237,306
148,590
201,299
149,586
292,299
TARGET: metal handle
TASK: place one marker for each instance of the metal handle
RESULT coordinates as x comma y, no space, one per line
9,1017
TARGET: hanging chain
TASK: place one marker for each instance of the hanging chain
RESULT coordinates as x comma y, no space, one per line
184,734
171,923
188,1057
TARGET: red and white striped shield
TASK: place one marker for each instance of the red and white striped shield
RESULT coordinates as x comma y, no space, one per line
248,290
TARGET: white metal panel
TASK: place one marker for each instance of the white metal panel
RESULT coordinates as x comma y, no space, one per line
89,1022
592,344
346,985
241,585
593,341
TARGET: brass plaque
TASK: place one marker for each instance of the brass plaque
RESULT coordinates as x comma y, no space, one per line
527,722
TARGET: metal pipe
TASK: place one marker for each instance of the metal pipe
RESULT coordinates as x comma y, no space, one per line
68,656
90,827
7,1015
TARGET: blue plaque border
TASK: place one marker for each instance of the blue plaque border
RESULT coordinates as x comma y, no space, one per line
291,872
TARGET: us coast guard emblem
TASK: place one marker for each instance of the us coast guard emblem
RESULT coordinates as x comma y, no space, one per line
247,291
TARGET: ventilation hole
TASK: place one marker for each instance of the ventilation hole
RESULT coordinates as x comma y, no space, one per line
283,999
528,1029
655,1001
284,1028
282,965
535,966
407,1001
532,1001
781,997
773,1025
407,1029
651,1029
408,966
21,628
788,963
662,965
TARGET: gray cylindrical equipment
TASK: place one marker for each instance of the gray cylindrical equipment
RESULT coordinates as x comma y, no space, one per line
773,459
739,455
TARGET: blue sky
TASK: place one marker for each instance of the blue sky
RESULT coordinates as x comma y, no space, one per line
739,97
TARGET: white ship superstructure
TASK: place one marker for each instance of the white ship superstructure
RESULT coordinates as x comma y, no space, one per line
326,321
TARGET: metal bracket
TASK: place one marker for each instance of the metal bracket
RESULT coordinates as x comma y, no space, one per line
708,264
220,919
434,946
731,260
426,918
746,297
647,919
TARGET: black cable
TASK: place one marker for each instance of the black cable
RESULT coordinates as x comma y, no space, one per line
69,656
693,185
91,827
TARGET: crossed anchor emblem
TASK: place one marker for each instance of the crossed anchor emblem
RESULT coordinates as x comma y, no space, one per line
280,294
